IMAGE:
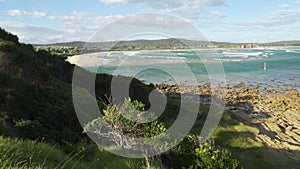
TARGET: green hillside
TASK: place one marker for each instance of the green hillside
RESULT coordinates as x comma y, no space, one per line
35,93
39,127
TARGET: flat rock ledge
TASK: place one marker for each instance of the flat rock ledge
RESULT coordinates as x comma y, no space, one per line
276,113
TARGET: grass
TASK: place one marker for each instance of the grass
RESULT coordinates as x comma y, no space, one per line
240,140
16,153
238,137
28,154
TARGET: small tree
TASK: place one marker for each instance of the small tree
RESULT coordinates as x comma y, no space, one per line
125,121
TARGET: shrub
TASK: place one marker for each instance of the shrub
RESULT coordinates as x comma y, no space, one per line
182,154
208,156
190,154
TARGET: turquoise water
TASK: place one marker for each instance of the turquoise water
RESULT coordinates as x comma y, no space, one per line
198,67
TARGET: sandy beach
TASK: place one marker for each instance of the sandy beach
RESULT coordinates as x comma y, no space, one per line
89,59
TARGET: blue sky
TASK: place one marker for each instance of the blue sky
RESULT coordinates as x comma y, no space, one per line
38,21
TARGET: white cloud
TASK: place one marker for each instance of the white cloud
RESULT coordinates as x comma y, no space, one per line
274,21
72,27
186,8
37,34
281,24
36,14
33,33
172,3
282,17
284,6
112,1
142,25
80,26
2,0
153,21
217,14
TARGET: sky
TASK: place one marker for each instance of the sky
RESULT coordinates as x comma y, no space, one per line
43,22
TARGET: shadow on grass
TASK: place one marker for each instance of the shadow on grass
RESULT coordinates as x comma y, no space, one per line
238,134
241,139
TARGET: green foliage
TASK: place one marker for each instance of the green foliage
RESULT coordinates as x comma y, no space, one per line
126,118
7,46
57,66
182,154
5,36
210,157
4,130
37,102
121,123
27,154
35,88
20,61
22,123
190,154
35,111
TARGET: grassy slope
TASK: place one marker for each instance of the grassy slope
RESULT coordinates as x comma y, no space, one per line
231,133
35,92
30,154
240,139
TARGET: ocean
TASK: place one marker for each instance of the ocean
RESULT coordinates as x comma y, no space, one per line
197,67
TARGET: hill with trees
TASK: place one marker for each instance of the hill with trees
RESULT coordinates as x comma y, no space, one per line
71,48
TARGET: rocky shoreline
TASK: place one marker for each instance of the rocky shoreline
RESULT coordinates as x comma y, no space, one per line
276,113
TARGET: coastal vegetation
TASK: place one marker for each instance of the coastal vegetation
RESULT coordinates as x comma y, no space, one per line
39,127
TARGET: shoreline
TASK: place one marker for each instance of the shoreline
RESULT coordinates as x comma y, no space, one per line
94,58
275,113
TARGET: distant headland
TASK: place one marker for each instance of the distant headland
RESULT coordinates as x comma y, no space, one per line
77,47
